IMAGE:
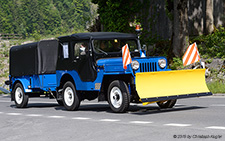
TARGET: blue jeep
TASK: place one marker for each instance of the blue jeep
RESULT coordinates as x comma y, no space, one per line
89,66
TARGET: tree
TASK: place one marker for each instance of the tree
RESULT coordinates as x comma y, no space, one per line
180,27
29,17
209,17
115,15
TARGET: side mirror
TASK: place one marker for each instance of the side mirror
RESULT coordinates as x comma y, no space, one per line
143,47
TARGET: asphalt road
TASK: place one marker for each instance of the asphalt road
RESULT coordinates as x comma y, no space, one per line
191,119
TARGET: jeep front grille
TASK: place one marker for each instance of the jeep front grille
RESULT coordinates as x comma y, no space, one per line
148,67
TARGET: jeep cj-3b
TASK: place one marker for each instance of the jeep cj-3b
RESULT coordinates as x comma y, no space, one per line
89,66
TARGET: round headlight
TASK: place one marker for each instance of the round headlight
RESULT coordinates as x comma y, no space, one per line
135,65
162,63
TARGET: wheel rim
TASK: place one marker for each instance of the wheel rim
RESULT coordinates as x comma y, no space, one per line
19,95
116,97
69,96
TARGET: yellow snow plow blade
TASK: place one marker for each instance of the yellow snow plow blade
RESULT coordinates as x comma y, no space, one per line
166,85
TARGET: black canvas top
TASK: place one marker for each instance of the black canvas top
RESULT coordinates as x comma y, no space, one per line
98,35
34,58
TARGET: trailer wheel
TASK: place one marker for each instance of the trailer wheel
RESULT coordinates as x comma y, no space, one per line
71,99
21,100
167,104
118,96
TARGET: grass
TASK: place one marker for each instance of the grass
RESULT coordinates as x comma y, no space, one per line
216,87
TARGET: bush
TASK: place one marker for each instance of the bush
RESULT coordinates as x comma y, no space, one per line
176,64
213,45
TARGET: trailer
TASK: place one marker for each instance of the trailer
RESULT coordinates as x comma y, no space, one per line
90,65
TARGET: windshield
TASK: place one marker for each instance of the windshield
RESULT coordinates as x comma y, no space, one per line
115,45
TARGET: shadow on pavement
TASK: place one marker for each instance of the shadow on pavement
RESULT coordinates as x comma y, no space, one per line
38,105
156,110
133,109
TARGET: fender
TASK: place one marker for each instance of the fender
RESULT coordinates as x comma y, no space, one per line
79,84
25,83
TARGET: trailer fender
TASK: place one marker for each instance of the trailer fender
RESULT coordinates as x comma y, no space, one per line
25,83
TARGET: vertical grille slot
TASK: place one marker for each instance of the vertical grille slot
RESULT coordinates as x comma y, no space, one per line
148,67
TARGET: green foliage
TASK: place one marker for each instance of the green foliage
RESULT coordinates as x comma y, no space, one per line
33,17
216,87
213,45
177,63
36,36
116,15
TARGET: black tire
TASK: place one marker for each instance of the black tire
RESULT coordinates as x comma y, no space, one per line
19,96
71,99
167,104
118,96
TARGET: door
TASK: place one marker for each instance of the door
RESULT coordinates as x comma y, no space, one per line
83,61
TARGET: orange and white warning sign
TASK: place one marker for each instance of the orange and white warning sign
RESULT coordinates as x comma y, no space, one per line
191,55
126,56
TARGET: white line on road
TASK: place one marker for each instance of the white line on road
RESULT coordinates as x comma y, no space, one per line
81,118
1,112
14,114
56,116
34,115
218,105
109,120
140,122
216,127
177,124
4,101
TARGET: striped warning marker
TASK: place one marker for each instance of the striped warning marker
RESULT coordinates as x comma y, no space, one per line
191,55
126,56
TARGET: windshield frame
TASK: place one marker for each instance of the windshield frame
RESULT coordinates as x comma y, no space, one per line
116,40
104,54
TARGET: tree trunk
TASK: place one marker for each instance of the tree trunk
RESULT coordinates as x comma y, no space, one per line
209,17
180,27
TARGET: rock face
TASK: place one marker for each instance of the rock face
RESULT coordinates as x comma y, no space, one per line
216,68
217,64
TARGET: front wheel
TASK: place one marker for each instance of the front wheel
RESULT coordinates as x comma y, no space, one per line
118,96
21,99
71,99
167,103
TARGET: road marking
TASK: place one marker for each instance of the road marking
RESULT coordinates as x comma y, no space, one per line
140,122
34,115
56,116
216,127
4,101
14,114
177,124
81,118
1,112
109,120
218,105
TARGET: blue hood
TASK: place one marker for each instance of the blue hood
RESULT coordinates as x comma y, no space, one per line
111,61
112,64
147,64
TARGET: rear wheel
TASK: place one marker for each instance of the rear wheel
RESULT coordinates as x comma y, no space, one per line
71,99
167,103
118,96
21,99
